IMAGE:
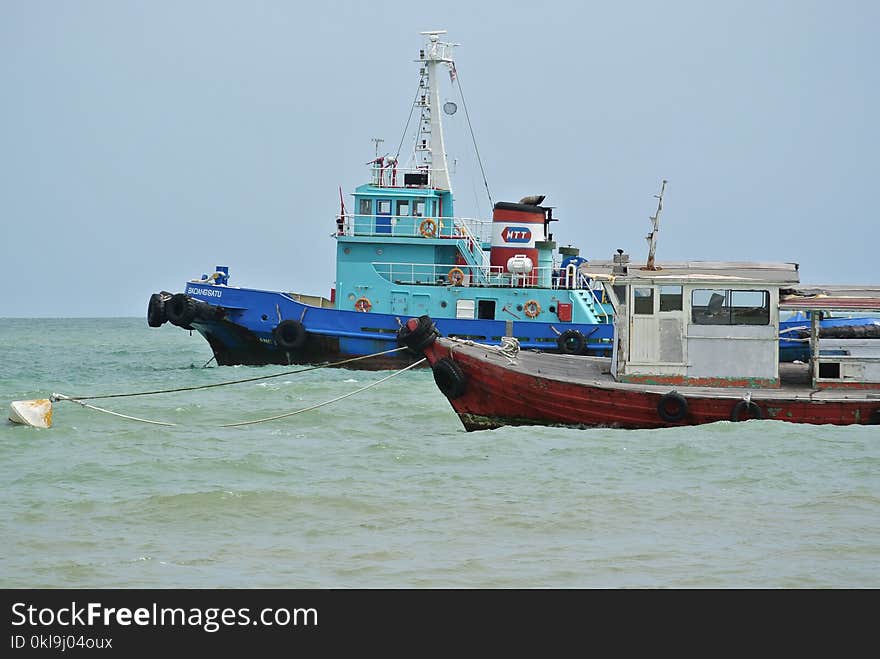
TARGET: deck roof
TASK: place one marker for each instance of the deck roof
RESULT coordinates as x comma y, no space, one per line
720,271
831,297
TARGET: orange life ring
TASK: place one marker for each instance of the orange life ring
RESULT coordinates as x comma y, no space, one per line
532,308
456,276
428,228
363,304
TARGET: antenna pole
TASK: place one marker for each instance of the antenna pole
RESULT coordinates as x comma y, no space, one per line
655,228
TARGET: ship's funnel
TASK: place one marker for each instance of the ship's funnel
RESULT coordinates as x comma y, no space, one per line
515,230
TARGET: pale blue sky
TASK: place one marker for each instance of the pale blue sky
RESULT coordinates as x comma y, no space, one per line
143,143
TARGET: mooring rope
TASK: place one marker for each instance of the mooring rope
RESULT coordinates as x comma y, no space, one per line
333,400
101,409
223,384
62,397
509,347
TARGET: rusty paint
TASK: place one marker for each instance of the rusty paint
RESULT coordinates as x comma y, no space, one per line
684,381
848,385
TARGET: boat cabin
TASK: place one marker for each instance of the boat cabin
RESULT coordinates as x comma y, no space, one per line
695,323
716,324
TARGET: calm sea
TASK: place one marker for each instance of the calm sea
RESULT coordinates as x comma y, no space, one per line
385,489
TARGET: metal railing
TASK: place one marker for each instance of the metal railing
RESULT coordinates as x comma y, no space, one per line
413,226
584,283
385,173
438,274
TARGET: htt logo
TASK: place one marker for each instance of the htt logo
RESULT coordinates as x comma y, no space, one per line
516,235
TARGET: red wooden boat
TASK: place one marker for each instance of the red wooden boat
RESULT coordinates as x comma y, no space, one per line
694,343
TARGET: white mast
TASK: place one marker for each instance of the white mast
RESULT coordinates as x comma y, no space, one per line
430,152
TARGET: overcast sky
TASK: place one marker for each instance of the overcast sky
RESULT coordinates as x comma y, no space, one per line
143,143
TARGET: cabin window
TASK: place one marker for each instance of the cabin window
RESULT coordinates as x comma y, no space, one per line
726,307
710,307
403,207
643,301
486,309
419,208
829,370
366,207
750,308
670,298
383,207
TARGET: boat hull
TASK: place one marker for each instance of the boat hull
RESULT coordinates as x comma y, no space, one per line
239,325
579,392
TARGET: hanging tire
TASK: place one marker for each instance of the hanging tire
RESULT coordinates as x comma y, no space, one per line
571,342
672,407
746,408
156,311
875,418
180,309
417,334
449,377
290,335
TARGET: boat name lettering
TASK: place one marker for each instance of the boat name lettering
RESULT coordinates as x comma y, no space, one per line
516,235
207,292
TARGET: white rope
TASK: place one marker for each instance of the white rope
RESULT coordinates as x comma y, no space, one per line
229,382
509,347
62,397
101,409
313,407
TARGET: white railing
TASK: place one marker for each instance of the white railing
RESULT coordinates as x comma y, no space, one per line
583,282
386,174
474,252
438,274
414,226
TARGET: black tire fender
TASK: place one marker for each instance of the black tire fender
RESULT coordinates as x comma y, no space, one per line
156,311
417,334
672,407
290,334
571,342
748,407
180,309
449,377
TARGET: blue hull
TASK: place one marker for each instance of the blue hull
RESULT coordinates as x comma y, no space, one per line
244,334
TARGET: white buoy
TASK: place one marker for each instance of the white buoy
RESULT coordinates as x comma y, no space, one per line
35,413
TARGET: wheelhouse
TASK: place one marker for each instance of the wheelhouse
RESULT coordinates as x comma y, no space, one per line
709,324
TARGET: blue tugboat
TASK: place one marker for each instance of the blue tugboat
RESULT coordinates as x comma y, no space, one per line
404,253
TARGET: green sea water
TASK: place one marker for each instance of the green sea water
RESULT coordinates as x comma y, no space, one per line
385,489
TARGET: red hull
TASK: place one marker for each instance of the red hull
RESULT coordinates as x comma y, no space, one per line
498,394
